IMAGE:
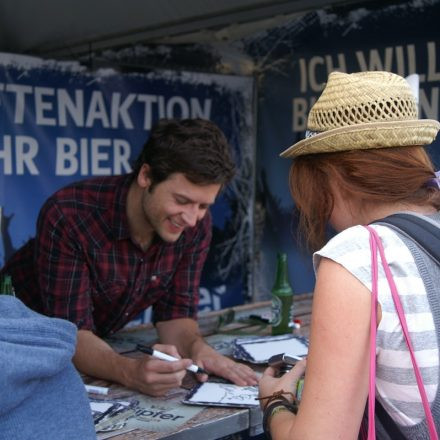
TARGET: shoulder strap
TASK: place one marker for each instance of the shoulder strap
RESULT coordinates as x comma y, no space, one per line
376,245
422,231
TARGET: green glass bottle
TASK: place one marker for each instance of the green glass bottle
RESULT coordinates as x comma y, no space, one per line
282,299
6,287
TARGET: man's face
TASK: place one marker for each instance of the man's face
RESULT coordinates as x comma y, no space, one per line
175,204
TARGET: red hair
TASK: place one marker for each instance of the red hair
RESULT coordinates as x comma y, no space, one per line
385,175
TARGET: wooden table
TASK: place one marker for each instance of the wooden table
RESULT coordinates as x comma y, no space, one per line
218,328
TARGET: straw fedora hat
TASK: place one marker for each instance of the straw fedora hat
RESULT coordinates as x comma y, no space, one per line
364,110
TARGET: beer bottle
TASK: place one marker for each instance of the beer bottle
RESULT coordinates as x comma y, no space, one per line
282,299
6,287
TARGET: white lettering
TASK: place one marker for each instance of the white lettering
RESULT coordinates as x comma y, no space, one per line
375,62
84,160
120,110
99,155
97,111
26,149
314,84
62,107
42,105
148,101
299,114
66,163
20,92
96,156
300,109
303,75
66,105
6,155
429,108
161,102
400,70
121,156
433,74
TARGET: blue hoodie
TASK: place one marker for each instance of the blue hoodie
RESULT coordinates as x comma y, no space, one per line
42,396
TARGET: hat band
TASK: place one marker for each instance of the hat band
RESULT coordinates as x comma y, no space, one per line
310,134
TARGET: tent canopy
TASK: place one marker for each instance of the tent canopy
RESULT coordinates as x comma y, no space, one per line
53,28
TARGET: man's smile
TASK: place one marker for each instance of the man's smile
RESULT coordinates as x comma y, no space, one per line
176,224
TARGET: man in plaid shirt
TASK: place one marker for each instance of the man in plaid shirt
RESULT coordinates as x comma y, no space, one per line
108,248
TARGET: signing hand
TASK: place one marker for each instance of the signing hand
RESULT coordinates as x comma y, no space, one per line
154,376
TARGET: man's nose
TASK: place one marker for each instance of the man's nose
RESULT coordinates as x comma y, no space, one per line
190,216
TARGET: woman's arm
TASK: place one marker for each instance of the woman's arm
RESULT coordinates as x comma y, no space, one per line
336,384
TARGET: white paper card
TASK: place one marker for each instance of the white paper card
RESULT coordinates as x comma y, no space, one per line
262,351
222,394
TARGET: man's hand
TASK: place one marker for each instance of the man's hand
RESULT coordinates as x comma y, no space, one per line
184,334
220,365
154,376
148,375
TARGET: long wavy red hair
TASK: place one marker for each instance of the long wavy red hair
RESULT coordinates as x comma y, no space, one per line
385,175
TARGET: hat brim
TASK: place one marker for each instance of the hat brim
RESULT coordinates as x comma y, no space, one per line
366,136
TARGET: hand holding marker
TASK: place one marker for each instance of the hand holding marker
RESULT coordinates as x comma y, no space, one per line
166,357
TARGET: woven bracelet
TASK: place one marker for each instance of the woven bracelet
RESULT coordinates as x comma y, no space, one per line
281,405
277,395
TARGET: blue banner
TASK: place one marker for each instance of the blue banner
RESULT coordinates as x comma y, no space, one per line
60,123
295,60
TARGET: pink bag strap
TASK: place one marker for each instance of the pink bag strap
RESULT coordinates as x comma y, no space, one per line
373,329
375,245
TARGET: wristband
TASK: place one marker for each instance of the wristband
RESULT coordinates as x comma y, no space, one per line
277,395
282,404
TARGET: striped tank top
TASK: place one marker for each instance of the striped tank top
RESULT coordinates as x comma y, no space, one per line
396,386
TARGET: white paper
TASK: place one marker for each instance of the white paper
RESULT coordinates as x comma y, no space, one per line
100,407
224,395
262,351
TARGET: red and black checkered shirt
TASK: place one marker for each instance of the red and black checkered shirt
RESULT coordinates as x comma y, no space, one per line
82,265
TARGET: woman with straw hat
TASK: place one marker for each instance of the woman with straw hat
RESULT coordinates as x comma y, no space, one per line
363,160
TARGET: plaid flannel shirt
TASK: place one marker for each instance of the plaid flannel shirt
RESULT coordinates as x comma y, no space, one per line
82,265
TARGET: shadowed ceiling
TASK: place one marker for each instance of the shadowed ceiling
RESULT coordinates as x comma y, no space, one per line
67,28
